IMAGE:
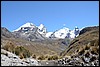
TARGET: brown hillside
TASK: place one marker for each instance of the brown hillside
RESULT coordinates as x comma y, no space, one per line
87,40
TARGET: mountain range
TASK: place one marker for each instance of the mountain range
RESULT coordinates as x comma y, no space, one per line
29,29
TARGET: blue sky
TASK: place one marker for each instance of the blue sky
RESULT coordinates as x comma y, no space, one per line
53,14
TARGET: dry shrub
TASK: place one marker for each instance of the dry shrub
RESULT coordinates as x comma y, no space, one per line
9,47
41,57
81,51
97,42
21,56
21,49
92,42
87,47
98,49
34,56
46,56
54,57
94,50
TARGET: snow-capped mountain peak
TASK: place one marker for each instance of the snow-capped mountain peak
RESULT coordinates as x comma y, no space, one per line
61,33
48,34
26,25
64,33
42,29
41,26
30,27
29,32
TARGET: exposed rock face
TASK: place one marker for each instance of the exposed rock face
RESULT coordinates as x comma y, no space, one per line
10,59
30,35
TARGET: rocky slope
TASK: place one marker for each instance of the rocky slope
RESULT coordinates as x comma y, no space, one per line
10,59
83,50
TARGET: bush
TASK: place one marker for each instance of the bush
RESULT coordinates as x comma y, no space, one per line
92,42
97,42
26,53
95,50
81,51
9,47
34,56
17,50
54,57
41,58
46,56
21,56
21,49
49,58
87,47
98,49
